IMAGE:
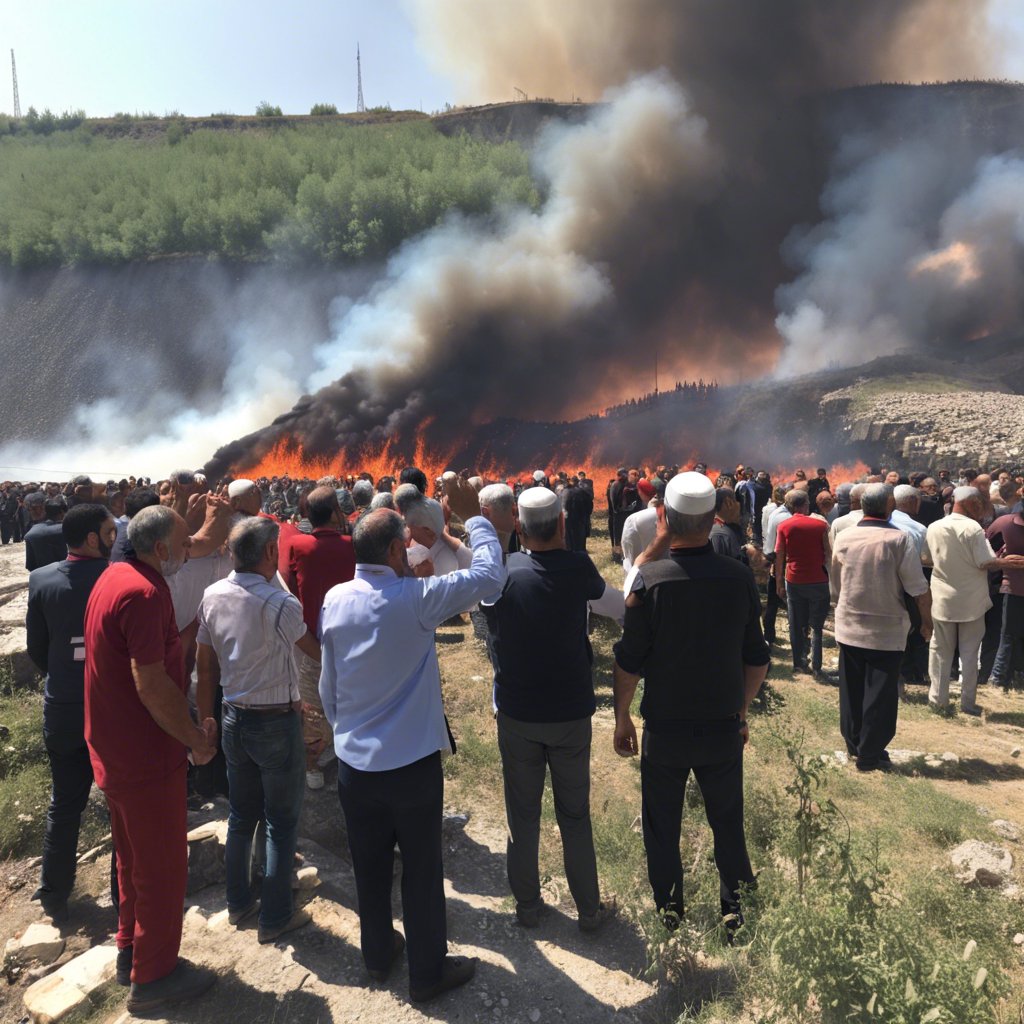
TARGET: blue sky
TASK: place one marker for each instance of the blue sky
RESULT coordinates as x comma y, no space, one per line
201,56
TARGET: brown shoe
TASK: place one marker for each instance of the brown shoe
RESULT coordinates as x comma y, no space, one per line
299,919
455,971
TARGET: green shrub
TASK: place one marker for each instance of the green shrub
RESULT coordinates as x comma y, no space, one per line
833,941
323,108
265,109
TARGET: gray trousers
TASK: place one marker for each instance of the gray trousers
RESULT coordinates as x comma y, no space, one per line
528,749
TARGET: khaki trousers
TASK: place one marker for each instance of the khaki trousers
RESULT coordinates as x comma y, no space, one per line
946,638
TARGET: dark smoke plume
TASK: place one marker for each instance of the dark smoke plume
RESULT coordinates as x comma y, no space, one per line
663,233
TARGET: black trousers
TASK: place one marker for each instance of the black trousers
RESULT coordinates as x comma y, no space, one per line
9,530
716,761
990,641
771,608
71,772
914,667
868,700
402,806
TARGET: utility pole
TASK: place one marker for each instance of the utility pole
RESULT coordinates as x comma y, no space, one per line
14,76
655,369
360,105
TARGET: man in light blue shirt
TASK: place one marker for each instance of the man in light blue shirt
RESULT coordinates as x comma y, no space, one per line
381,691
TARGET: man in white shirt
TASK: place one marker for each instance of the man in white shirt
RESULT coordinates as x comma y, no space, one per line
961,557
852,518
248,631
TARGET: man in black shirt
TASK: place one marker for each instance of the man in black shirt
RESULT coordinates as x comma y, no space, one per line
57,595
693,630
578,503
44,543
545,704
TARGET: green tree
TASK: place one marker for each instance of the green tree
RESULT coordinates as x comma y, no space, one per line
319,109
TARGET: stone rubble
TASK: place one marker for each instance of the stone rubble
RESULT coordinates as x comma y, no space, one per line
983,864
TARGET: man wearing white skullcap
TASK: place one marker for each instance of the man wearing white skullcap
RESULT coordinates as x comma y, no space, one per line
544,697
962,558
693,630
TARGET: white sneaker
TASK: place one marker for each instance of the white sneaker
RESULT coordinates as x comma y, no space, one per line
327,756
315,780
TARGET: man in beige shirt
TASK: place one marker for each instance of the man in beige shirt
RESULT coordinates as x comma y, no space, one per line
852,518
961,557
873,564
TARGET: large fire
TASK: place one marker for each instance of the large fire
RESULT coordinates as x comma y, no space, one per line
287,458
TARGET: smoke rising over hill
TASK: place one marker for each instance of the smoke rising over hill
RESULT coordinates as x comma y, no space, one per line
718,214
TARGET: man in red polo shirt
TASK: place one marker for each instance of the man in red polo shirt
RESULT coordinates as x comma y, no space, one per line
312,563
138,727
801,553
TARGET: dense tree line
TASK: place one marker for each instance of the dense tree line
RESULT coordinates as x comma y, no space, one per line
333,193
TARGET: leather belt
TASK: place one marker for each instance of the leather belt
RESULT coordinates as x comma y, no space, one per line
261,708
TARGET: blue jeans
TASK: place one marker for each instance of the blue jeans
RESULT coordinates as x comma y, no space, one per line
266,779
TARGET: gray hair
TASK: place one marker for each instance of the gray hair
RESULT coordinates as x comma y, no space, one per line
374,535
382,499
962,494
497,496
425,512
540,524
797,498
905,495
35,498
406,495
249,539
856,493
682,524
362,493
151,526
874,500
185,477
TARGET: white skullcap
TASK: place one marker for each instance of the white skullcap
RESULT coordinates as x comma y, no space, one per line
239,487
538,475
691,494
538,505
965,494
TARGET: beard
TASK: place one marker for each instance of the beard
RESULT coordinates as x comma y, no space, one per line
170,566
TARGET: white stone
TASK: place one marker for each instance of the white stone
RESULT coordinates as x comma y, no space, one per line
219,920
307,878
534,1015
52,999
1006,829
39,941
951,758
904,756
1018,939
92,969
984,863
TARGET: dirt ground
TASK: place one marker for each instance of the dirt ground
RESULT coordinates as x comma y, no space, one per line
554,973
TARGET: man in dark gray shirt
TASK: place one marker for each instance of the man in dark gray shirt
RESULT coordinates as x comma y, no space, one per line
693,630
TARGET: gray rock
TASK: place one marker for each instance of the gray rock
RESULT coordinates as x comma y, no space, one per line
982,863
1006,829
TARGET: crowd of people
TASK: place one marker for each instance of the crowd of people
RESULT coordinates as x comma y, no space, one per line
245,634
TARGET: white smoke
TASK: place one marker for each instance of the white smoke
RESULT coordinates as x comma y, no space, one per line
918,247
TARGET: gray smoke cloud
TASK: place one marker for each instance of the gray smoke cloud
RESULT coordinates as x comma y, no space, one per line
662,234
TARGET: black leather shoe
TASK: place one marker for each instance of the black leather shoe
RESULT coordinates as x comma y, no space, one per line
185,982
397,948
124,965
455,971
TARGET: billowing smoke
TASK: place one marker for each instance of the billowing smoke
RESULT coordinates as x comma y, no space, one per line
661,239
922,246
